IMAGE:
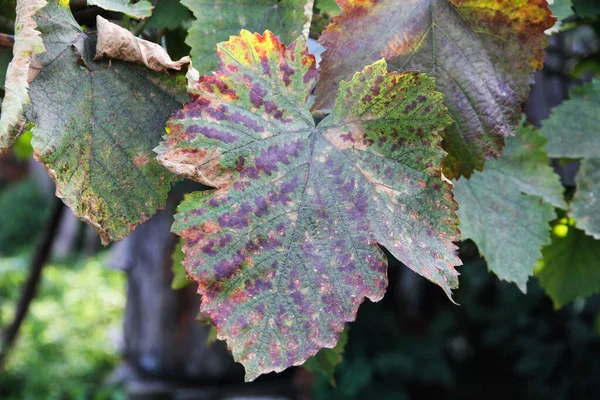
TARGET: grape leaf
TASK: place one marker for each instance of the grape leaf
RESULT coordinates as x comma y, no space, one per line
216,20
570,267
502,210
169,14
561,9
586,202
572,131
180,279
325,361
96,125
481,53
587,8
27,43
285,249
138,10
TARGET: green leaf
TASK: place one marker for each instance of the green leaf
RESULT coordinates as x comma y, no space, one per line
571,266
6,55
325,361
180,279
561,9
587,8
140,9
502,210
328,6
168,14
216,20
572,131
27,43
481,53
586,202
286,247
95,126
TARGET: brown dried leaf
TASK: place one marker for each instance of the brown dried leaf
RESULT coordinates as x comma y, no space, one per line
119,43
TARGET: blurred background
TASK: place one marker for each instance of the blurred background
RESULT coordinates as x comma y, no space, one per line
106,323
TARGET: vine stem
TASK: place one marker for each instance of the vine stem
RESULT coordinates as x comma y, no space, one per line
29,289
6,40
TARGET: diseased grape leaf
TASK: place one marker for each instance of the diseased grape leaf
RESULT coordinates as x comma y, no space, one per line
140,9
285,249
572,131
481,53
216,20
96,125
571,264
502,211
27,43
326,360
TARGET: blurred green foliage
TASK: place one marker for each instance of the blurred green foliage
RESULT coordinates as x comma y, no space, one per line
65,349
499,344
24,210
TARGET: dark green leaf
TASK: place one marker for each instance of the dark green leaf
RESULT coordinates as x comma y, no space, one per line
325,361
216,20
95,126
506,209
571,264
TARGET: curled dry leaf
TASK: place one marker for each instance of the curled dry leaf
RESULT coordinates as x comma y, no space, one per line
287,246
118,43
27,44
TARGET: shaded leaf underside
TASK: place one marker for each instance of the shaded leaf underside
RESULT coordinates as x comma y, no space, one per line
572,132
285,249
96,125
481,53
502,211
216,20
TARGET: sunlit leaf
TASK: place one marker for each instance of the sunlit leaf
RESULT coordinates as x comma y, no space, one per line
571,264
216,20
572,131
507,208
286,247
138,10
96,125
27,43
481,53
